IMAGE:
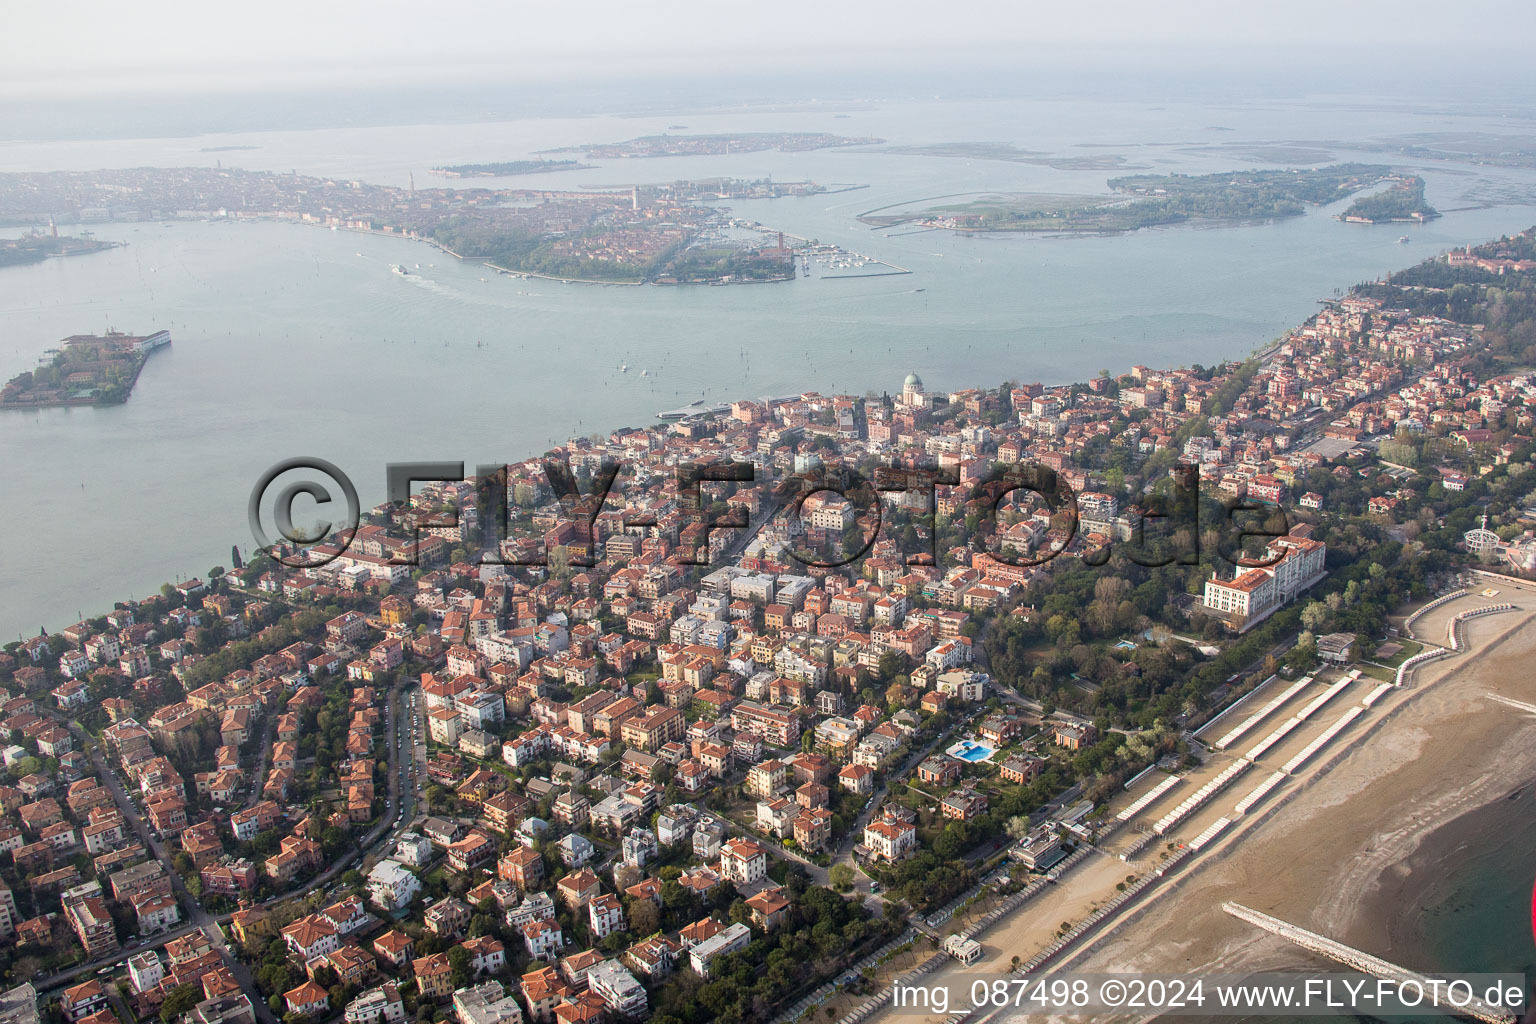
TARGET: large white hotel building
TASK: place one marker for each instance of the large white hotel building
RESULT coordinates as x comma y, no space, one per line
1256,593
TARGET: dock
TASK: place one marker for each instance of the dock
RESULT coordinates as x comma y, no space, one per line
696,409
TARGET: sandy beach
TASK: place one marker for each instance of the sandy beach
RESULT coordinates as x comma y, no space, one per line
1333,858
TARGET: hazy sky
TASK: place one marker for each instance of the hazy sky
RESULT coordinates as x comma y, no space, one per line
88,45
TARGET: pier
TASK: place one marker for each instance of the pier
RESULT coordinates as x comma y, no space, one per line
1355,959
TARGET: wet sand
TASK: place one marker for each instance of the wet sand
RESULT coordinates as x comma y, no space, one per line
1470,883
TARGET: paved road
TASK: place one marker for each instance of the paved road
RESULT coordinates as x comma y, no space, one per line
114,960
386,830
259,783
745,536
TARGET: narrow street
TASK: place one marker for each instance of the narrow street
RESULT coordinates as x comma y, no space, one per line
259,781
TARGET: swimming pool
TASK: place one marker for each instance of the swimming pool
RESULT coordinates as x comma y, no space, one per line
970,750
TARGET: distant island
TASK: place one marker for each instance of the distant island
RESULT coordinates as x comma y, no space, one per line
1404,202
675,233
715,145
226,149
1008,152
1491,149
85,370
506,168
1148,200
34,248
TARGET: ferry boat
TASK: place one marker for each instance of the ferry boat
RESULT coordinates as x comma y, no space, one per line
399,268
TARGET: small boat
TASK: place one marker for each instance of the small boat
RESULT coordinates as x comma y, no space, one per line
624,368
645,373
1403,240
399,268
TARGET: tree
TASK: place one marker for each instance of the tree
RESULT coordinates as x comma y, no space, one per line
1304,654
458,960
841,877
180,1000
644,918
674,896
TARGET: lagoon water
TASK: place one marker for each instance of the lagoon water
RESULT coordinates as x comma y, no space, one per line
295,340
